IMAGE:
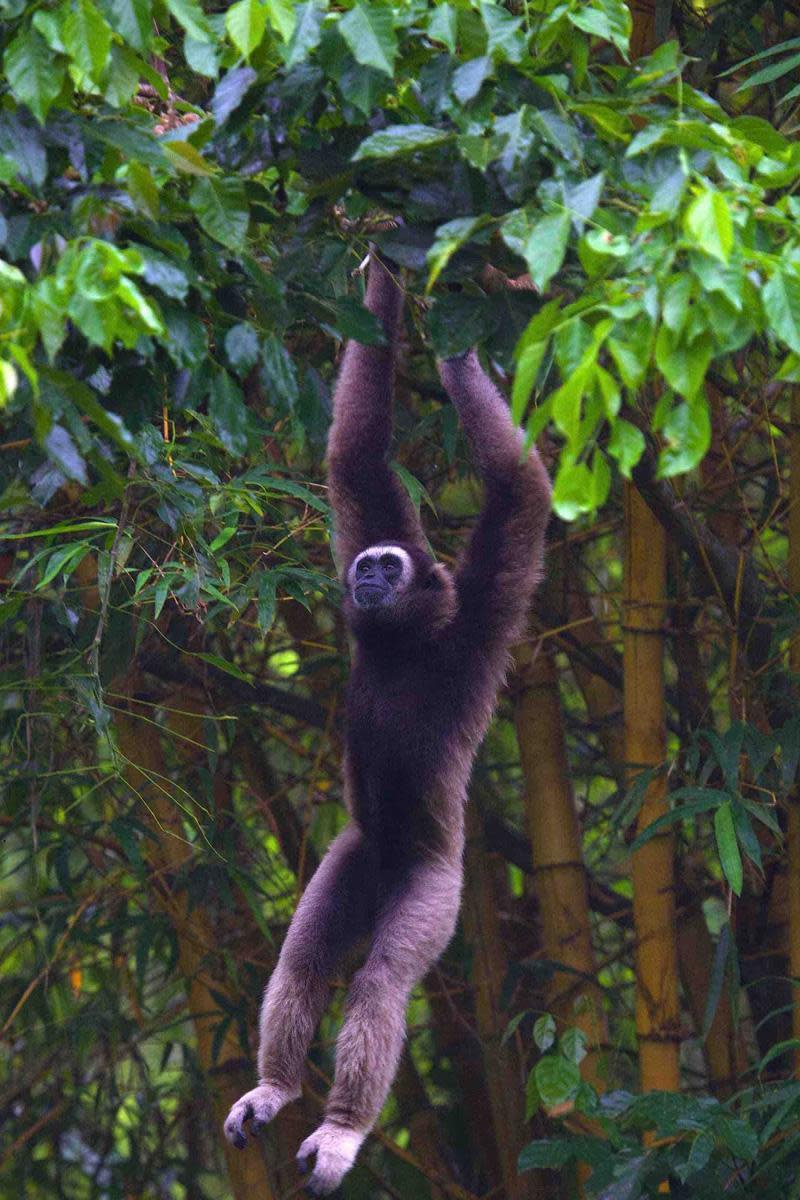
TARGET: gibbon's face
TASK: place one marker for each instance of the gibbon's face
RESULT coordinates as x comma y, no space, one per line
400,586
379,575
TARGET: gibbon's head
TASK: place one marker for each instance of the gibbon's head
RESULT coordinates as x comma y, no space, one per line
397,585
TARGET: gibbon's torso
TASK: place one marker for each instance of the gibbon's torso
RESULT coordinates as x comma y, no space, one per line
410,750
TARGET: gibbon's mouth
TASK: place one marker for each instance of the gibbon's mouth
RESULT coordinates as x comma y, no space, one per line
370,595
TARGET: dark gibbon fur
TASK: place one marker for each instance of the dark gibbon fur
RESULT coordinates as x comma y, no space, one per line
430,653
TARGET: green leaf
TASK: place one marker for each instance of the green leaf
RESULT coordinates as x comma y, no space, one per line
688,433
709,224
573,490
443,26
772,72
133,20
228,414
608,19
574,1045
781,300
506,40
626,444
191,17
683,366
368,30
450,237
307,32
728,846
65,454
282,18
62,560
544,1031
246,22
222,210
546,246
557,1079
401,139
34,74
87,37
528,365
242,347
279,374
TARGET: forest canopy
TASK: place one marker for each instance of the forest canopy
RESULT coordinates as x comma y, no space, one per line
602,198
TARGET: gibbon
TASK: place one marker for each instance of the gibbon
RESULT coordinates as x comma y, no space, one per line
430,651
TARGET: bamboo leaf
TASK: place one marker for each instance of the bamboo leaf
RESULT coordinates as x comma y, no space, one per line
728,846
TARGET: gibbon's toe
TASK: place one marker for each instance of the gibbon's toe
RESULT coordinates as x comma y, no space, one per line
256,1108
335,1149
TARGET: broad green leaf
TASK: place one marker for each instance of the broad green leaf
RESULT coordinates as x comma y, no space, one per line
65,454
242,347
401,139
683,366
574,1045
228,414
368,30
557,1079
546,246
728,846
222,210
191,17
608,19
573,490
626,444
544,1031
307,32
781,300
470,78
34,74
687,430
279,374
133,20
450,237
506,39
187,159
8,381
282,18
87,38
709,224
246,22
443,26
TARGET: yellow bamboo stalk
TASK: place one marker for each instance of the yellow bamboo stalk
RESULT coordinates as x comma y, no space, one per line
793,832
559,874
657,1011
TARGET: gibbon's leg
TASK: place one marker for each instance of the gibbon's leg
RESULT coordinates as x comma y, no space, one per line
415,923
337,909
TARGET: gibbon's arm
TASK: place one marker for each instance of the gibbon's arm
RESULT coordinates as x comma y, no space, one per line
369,503
502,562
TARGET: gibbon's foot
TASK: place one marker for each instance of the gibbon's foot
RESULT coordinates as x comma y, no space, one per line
335,1148
258,1108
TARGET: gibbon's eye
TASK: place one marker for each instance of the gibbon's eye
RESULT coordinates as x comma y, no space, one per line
363,565
392,567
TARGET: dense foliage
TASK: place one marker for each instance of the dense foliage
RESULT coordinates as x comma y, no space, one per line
187,193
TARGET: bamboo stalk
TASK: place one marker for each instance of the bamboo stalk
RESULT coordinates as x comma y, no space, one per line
558,869
504,1074
793,832
247,1173
656,959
